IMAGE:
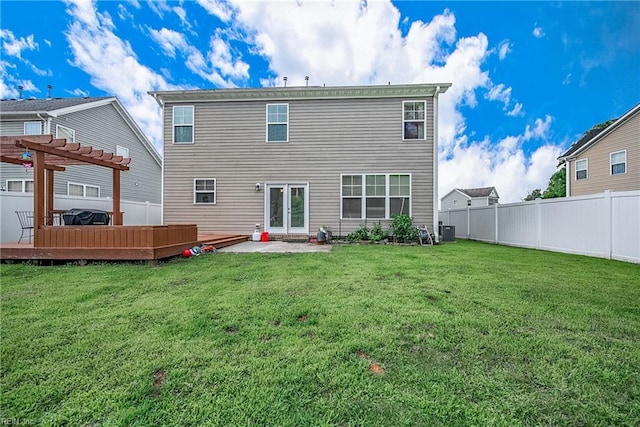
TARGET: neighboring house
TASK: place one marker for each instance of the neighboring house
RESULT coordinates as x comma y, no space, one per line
459,198
102,123
295,159
606,159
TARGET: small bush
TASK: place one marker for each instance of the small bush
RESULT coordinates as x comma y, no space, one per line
377,233
403,229
362,233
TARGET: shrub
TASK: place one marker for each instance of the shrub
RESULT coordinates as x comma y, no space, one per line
403,229
361,233
377,233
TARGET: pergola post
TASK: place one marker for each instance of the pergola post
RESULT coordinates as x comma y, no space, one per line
39,195
117,215
49,196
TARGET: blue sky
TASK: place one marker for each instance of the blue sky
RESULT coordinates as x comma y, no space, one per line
528,77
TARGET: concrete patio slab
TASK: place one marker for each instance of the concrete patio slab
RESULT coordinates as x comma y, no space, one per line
275,247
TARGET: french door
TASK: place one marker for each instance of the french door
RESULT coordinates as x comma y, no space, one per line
287,208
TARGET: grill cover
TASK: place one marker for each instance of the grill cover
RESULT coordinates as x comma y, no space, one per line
77,216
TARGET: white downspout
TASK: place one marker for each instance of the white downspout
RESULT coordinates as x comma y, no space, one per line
435,163
567,178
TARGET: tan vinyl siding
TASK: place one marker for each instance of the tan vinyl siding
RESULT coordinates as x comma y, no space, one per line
626,137
327,138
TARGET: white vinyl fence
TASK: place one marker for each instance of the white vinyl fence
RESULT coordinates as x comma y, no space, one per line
605,225
135,213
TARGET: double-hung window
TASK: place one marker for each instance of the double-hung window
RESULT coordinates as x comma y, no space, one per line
204,191
66,133
82,190
581,169
277,122
20,185
32,128
183,124
414,119
618,162
375,196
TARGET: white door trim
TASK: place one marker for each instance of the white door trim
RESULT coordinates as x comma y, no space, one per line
286,214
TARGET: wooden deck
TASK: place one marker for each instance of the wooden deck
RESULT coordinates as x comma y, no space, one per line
113,243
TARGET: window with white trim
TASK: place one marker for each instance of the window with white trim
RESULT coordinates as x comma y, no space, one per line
20,185
375,196
414,119
277,122
65,132
183,124
122,151
33,128
618,162
581,169
204,191
82,190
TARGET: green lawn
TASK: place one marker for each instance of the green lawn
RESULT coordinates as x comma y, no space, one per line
461,334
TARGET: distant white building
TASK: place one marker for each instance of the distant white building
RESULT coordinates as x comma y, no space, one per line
461,198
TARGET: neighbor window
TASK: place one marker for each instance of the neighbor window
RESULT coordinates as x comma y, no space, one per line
277,122
183,125
414,119
204,191
32,128
66,133
122,151
375,196
82,190
618,162
20,185
581,169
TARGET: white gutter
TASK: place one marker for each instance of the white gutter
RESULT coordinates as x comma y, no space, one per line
435,163
567,178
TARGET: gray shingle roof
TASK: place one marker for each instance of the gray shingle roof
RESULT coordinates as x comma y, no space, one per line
588,136
478,192
39,105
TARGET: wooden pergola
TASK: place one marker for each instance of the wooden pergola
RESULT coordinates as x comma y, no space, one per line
49,155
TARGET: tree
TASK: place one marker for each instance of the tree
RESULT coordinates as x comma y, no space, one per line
535,194
557,186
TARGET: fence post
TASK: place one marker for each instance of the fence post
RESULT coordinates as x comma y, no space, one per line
468,222
608,225
146,211
538,223
495,215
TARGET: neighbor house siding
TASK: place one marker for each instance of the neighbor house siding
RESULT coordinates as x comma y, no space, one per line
327,138
599,178
102,128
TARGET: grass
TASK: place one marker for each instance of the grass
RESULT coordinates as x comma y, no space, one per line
458,334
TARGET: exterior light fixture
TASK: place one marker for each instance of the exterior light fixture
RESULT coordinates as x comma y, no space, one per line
258,186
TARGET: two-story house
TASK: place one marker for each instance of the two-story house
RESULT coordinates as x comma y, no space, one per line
294,159
459,198
606,158
102,123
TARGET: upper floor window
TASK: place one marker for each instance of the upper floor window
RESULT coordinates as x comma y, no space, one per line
122,151
65,132
20,185
32,128
82,190
277,122
618,162
414,119
204,191
183,124
376,196
581,169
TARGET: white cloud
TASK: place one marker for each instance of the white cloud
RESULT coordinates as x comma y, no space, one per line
114,66
182,14
538,32
499,92
217,8
516,110
169,40
13,46
567,79
78,92
503,49
540,130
